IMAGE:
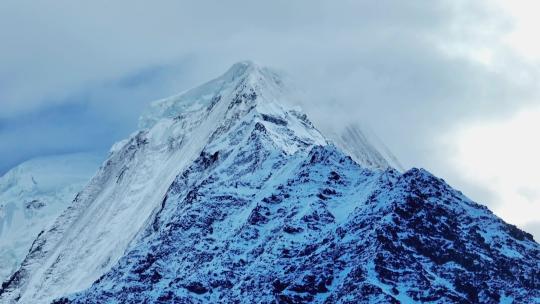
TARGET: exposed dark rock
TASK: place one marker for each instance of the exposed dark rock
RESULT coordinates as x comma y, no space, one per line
274,119
196,287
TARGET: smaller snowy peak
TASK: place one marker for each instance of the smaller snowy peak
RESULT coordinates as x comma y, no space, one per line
245,76
32,195
362,146
49,173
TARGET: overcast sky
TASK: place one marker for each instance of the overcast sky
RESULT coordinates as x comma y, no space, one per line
451,86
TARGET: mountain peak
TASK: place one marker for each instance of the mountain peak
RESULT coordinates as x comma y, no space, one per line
243,67
247,85
250,69
245,76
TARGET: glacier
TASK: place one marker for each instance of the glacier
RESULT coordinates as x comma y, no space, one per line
227,194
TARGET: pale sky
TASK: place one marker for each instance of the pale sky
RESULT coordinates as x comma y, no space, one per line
451,85
502,155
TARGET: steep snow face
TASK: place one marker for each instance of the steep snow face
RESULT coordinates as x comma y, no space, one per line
123,197
32,195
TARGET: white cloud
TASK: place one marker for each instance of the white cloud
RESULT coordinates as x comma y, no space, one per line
503,156
525,24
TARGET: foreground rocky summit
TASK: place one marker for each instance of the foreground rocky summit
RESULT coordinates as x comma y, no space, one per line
226,196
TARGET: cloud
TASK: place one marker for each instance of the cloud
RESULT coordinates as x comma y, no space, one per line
529,193
534,229
58,48
88,120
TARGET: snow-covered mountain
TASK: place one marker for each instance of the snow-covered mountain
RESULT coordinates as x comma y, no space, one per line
32,195
225,195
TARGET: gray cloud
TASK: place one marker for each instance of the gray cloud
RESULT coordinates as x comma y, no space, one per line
397,66
534,229
89,120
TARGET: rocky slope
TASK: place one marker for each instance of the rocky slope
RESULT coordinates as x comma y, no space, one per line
227,196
